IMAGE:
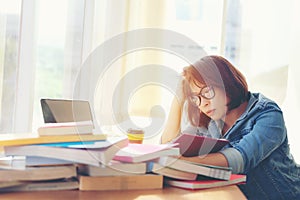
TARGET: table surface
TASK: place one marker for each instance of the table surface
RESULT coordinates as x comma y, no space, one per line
224,193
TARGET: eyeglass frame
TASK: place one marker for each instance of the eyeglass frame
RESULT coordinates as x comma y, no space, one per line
201,94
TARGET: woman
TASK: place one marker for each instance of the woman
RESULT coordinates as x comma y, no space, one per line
220,105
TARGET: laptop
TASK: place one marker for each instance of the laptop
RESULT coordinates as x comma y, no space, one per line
63,110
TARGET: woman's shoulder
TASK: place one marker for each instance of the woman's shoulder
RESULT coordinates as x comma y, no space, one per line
260,101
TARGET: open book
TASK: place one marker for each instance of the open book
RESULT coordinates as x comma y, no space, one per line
194,145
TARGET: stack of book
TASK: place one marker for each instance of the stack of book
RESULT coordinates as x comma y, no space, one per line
217,172
148,166
102,163
190,175
39,178
36,162
92,162
128,170
88,149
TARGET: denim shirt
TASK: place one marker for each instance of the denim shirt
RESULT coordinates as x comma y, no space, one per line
260,137
259,148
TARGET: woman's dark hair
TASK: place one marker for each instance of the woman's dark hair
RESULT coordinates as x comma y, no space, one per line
218,72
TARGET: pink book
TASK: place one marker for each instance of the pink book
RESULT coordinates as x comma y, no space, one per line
145,152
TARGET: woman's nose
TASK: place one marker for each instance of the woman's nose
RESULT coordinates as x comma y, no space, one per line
204,102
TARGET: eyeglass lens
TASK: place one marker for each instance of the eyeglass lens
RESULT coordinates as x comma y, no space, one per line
206,92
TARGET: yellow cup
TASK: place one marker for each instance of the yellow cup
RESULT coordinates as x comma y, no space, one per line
135,136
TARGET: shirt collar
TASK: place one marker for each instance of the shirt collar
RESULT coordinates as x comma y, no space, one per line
252,101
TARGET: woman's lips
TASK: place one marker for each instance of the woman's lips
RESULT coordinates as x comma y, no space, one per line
210,112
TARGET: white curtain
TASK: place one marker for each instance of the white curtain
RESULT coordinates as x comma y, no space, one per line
291,105
268,58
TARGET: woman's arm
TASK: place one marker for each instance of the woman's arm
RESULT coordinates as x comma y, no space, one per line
216,159
172,128
265,136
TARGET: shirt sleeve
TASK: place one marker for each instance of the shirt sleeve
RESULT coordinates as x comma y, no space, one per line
265,135
234,159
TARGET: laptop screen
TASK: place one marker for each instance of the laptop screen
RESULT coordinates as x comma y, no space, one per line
62,110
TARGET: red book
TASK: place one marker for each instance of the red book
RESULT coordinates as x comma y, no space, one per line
207,183
195,145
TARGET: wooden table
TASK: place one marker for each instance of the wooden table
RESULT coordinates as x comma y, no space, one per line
224,193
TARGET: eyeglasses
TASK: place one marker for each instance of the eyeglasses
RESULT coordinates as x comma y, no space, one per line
207,92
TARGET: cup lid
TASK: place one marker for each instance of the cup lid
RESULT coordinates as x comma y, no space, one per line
135,131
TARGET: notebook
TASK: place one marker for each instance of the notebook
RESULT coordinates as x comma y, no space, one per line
64,110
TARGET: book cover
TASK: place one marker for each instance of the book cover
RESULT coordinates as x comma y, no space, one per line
66,128
96,155
98,144
170,172
207,183
114,168
134,182
38,173
200,169
145,152
194,145
28,139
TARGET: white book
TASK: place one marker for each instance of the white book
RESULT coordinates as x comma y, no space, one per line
38,173
172,173
65,184
66,128
201,169
12,162
31,161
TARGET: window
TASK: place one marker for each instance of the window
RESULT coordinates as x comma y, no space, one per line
200,20
58,54
40,58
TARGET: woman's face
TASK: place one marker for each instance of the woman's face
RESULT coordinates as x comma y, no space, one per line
215,106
